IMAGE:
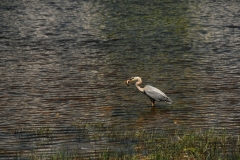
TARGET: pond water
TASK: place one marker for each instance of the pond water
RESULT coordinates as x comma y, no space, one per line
64,62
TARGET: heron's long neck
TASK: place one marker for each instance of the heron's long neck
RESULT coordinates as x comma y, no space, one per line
137,85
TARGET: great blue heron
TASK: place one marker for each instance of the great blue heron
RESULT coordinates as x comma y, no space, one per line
153,93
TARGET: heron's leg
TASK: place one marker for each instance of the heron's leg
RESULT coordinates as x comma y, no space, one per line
153,102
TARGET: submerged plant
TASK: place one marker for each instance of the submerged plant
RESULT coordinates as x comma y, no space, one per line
147,144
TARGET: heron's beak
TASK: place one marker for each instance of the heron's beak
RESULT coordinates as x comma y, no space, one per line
127,82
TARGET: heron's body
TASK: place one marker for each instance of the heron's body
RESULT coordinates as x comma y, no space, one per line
153,93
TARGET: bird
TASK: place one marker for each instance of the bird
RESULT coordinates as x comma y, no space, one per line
153,93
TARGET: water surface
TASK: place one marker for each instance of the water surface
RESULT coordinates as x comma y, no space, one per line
64,62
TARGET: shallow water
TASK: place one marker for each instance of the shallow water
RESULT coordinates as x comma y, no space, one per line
64,62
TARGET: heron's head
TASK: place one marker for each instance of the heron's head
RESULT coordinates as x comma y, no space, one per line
131,80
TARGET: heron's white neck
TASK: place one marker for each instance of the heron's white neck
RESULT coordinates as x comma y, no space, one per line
139,81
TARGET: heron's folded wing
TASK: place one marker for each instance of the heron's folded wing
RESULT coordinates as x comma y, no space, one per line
156,94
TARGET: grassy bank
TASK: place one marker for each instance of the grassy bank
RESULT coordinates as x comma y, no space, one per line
151,144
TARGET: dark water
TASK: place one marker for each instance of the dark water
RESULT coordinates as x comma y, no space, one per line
64,62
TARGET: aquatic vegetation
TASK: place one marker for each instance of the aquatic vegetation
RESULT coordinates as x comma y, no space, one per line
151,144
27,132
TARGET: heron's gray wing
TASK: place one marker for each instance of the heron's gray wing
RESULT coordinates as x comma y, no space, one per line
156,94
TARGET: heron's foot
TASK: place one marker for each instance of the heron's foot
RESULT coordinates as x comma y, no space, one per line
153,103
153,106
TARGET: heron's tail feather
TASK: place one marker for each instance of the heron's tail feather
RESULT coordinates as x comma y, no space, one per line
169,101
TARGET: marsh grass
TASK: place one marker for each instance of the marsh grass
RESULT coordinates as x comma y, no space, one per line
149,144
27,132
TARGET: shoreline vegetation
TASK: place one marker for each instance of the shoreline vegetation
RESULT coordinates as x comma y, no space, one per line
142,144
